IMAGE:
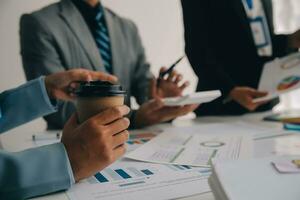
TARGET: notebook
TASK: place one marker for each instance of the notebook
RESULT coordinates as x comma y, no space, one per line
255,179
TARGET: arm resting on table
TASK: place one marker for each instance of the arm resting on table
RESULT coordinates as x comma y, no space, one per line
34,172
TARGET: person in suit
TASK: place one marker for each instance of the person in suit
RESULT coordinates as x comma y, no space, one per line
86,34
83,150
227,43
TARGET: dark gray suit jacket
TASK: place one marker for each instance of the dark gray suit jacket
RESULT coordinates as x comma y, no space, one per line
56,38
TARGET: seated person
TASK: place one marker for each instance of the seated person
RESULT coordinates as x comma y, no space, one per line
228,43
84,149
86,34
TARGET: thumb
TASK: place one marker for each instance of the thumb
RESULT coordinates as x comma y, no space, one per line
256,93
71,123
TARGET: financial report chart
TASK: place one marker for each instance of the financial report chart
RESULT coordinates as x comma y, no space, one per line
140,180
110,175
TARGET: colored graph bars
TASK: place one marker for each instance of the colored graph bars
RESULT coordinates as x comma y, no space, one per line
201,170
140,138
179,167
135,174
121,174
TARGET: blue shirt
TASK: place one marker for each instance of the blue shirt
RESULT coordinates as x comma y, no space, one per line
36,171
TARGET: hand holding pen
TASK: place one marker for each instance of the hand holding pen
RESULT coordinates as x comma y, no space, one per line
168,83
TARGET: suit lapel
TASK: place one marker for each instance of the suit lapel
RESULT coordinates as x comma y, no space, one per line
114,43
76,23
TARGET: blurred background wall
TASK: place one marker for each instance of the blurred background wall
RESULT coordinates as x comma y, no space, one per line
160,26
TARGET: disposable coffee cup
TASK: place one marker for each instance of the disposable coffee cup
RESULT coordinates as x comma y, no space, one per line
95,96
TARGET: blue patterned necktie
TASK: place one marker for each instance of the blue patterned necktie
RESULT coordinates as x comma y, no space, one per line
102,39
250,4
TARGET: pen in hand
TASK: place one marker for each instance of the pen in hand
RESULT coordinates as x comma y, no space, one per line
168,71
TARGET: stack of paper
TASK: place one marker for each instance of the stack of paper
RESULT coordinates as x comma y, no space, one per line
273,178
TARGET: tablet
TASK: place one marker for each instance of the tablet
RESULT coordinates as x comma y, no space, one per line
195,98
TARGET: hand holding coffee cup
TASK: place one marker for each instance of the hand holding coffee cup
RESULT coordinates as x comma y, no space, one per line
95,96
96,143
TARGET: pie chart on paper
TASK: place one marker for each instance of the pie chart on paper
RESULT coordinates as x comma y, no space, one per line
288,83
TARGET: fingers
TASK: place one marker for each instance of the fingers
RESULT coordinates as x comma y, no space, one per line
185,109
168,113
172,76
79,75
72,88
192,107
184,85
119,151
246,95
87,75
153,87
111,114
178,79
119,125
251,106
256,93
104,77
162,69
120,139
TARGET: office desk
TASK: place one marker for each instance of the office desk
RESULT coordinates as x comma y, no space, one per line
19,139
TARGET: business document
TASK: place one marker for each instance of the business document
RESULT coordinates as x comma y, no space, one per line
138,180
194,150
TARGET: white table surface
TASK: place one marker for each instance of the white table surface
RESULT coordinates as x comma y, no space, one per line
19,139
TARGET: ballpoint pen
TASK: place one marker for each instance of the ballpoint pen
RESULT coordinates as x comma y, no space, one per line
168,71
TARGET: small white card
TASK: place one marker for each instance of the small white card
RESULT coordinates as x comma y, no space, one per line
195,98
259,34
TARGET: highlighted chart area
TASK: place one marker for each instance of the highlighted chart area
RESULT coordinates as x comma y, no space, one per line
282,75
140,138
120,174
288,83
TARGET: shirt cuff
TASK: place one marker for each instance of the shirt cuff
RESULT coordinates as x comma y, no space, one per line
51,103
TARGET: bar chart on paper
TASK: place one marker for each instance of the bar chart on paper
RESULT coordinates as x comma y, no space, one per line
110,175
137,180
131,172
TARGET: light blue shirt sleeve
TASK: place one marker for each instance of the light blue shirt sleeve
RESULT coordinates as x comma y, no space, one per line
35,171
23,104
